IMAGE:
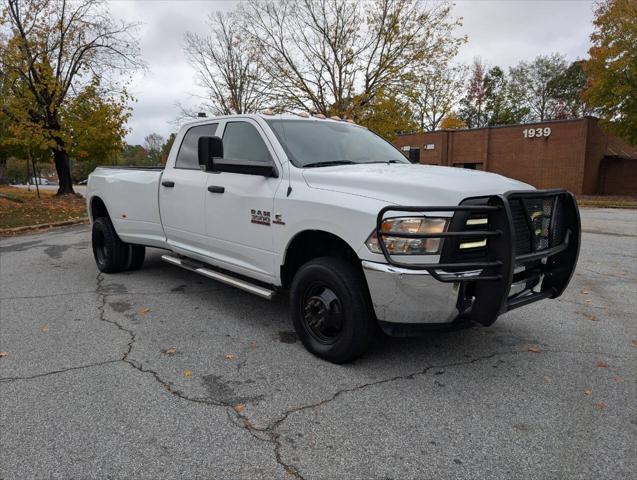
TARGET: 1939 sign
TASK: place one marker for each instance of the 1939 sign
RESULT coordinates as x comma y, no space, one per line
536,132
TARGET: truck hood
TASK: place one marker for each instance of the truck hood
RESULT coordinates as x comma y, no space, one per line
409,184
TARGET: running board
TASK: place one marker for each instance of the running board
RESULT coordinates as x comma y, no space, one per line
220,277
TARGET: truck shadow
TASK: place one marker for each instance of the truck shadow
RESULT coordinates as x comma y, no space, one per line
270,319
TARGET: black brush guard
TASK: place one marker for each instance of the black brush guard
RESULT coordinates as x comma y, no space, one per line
509,257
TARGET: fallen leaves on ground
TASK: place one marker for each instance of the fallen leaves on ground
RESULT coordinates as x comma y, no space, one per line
144,311
4,354
169,351
230,356
584,291
534,349
588,392
31,210
600,405
240,407
188,373
590,316
602,365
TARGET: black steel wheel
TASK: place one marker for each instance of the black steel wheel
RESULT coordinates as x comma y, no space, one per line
323,313
111,254
330,309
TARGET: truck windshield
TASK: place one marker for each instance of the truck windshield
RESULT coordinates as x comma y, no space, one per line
323,143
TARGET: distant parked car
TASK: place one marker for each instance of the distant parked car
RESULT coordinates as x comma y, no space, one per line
40,181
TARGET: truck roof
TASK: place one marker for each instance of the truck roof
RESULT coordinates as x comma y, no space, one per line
278,116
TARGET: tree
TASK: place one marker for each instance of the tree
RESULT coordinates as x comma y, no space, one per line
97,122
473,105
452,121
165,148
4,125
54,49
502,107
567,88
491,98
334,57
387,116
153,144
532,82
436,93
612,67
227,67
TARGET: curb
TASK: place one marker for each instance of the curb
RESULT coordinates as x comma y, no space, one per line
41,226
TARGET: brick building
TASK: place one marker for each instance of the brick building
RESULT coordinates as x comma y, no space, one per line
573,154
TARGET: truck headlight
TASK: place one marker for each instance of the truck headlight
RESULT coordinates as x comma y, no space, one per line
409,246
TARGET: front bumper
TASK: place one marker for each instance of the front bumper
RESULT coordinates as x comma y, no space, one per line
532,245
400,295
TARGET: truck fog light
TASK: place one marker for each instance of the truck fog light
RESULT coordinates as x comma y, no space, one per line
409,246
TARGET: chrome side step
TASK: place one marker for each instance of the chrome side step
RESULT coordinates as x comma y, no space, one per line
220,277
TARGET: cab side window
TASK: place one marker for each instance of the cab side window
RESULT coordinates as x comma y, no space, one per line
242,141
187,157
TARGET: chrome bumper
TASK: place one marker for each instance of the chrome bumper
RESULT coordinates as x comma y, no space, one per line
402,295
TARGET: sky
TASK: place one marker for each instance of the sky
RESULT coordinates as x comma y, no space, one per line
501,32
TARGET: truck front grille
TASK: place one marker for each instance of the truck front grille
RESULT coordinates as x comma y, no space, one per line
534,224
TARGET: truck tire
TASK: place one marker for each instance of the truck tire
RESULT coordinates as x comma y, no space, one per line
137,254
330,309
111,254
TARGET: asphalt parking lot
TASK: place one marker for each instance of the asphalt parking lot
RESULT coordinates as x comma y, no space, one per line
161,373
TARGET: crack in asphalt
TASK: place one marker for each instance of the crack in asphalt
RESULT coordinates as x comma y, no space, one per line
54,372
52,295
273,438
609,234
268,433
65,294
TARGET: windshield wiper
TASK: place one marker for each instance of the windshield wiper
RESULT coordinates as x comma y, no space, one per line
385,161
328,163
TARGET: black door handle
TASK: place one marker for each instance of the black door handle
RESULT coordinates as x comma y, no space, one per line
168,183
216,189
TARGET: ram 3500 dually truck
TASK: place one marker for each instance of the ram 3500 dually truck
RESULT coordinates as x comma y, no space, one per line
326,209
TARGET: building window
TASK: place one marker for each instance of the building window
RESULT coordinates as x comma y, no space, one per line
414,155
469,166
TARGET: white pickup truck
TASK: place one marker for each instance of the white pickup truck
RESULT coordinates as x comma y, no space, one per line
326,209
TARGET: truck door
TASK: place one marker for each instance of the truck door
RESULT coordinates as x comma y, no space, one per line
239,206
182,195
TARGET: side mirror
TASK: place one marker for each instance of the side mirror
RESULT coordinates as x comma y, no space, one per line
209,148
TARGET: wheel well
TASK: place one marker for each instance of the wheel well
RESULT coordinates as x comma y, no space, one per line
98,208
313,244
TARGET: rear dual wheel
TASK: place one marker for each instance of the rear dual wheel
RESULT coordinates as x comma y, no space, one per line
111,254
331,311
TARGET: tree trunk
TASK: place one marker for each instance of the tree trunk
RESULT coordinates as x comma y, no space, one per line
3,170
63,170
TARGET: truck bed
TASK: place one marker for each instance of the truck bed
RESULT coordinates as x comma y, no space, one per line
131,193
134,167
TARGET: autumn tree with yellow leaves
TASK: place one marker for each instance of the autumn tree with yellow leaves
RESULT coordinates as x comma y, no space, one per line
612,67
59,60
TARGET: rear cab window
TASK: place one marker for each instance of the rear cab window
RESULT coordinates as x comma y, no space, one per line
187,158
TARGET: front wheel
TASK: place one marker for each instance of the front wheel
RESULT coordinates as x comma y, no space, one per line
330,309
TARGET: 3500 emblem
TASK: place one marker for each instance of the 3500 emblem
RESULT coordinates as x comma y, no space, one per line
260,217
263,217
